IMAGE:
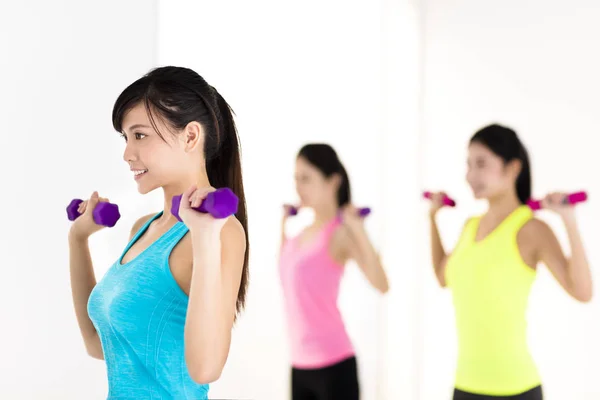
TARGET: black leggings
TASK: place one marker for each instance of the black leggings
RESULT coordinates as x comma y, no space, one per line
335,382
533,394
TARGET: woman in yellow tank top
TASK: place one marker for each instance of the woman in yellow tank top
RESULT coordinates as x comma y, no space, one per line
492,268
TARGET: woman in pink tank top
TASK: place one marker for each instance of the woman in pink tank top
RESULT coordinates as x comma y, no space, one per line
311,267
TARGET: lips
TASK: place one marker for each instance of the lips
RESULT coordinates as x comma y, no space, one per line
138,173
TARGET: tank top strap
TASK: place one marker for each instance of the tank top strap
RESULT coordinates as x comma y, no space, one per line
515,221
164,244
137,235
330,228
169,240
468,233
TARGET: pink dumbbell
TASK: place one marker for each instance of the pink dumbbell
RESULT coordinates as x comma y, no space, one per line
447,201
573,198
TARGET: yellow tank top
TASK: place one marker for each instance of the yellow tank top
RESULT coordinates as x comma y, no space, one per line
490,285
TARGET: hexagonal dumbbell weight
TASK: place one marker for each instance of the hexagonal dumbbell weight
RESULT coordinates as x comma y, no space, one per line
220,204
106,214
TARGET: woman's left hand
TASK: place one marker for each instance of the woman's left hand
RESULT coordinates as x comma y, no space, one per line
351,218
197,221
556,202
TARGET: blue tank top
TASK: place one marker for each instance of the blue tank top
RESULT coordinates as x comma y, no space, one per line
139,312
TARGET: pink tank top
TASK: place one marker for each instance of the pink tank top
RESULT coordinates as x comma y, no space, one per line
310,279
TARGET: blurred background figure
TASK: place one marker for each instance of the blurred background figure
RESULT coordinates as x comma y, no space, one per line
311,266
492,268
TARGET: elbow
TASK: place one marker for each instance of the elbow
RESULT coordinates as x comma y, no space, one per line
93,347
95,353
204,375
584,297
204,370
384,288
582,292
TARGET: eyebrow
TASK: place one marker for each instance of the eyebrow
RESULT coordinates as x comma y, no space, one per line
132,127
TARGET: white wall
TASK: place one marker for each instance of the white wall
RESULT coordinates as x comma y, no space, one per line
63,63
532,65
293,74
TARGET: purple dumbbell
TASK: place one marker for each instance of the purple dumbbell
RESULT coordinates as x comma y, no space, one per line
363,212
105,213
220,204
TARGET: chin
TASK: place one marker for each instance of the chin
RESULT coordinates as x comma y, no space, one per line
479,195
145,189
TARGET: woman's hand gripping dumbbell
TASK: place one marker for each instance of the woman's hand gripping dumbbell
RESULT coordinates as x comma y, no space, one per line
91,215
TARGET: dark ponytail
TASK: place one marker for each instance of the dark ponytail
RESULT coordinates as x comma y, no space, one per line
325,159
524,178
224,169
505,143
179,96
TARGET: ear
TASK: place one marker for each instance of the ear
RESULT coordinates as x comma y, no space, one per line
514,167
336,180
193,136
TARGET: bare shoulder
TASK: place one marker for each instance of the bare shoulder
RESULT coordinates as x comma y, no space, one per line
181,259
233,233
535,229
534,236
341,236
139,223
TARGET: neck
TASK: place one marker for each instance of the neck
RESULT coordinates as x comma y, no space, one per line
325,213
503,204
178,188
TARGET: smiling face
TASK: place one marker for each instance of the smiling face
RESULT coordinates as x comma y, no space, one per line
154,161
487,173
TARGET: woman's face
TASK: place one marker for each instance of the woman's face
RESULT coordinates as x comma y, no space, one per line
156,162
487,173
313,188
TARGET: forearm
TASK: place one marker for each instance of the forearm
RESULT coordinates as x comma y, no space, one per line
208,323
438,254
370,261
437,248
579,273
283,237
83,281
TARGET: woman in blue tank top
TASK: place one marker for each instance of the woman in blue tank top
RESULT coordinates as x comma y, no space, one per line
161,317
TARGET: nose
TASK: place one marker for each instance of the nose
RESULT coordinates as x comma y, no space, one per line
129,153
469,176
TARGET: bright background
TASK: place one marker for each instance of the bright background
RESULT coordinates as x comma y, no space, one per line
396,86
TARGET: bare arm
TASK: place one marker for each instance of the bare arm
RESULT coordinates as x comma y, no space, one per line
284,217
283,237
572,274
216,276
438,254
83,281
359,248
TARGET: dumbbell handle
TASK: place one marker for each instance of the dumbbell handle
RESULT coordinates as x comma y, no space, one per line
573,198
362,212
447,201
220,204
105,213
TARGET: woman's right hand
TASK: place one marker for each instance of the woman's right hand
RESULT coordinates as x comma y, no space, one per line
84,226
437,202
